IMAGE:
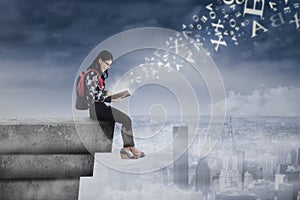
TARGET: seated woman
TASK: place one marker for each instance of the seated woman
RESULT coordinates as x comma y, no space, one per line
96,97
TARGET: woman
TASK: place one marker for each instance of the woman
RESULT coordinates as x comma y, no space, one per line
97,97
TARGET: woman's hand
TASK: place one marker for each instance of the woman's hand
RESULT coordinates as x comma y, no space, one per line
108,93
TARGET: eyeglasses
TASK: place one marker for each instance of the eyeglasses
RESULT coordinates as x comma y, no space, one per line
108,65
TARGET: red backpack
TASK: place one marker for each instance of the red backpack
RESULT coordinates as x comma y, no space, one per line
81,100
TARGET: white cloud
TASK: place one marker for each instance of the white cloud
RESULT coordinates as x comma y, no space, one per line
246,76
278,101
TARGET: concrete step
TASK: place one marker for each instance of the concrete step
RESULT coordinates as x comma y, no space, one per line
37,189
87,187
55,136
101,166
45,166
44,159
147,164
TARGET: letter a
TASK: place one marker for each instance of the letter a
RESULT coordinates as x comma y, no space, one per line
255,27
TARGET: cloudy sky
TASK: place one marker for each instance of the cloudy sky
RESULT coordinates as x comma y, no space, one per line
43,43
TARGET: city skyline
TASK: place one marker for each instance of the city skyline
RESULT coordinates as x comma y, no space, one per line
257,165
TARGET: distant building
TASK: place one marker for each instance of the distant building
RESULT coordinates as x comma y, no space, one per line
268,163
259,174
279,178
202,177
289,159
230,180
215,185
226,164
192,174
281,150
298,156
285,191
296,189
181,165
292,175
282,168
248,179
294,158
241,163
263,189
166,174
230,177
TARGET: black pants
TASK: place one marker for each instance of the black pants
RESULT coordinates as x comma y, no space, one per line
102,112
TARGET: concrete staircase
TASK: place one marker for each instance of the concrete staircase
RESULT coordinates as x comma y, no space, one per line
44,159
116,178
106,180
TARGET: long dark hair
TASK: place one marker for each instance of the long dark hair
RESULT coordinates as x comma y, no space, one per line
104,55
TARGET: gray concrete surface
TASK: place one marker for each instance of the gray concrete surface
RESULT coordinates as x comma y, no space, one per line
45,158
46,166
54,136
39,189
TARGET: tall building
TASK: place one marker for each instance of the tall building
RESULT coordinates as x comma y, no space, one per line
282,168
226,163
231,138
298,195
294,158
241,163
248,179
292,175
230,181
268,164
285,191
291,158
202,177
279,178
263,189
298,156
282,149
234,162
180,165
231,177
215,185
166,175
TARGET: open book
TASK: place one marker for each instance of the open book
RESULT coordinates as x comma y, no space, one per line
123,94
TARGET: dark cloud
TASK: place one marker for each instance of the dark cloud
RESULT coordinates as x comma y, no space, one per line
41,28
280,42
279,45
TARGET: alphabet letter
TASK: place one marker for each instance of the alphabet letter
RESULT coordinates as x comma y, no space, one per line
255,27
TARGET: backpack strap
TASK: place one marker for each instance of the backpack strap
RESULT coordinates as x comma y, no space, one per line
80,84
